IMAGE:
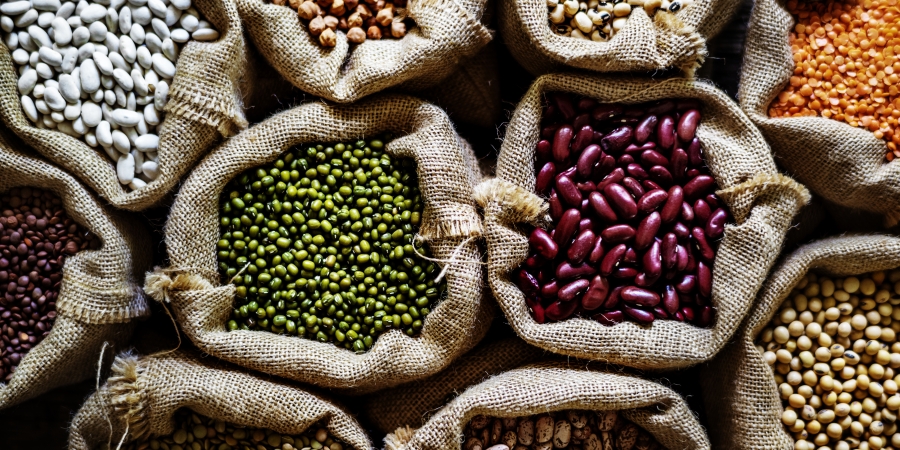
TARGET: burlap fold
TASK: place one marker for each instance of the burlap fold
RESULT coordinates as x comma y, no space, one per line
761,200
142,394
100,294
646,43
544,387
447,172
739,390
844,164
445,33
204,105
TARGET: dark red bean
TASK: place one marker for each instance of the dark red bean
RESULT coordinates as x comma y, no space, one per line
644,280
587,187
661,175
678,316
713,201
611,259
688,313
581,120
691,173
679,161
567,271
681,230
652,261
687,125
669,248
639,296
561,141
687,213
607,111
583,138
586,104
670,299
548,131
602,207
699,237
625,273
588,158
636,171
568,292
528,284
610,318
543,151
556,206
660,313
621,200
597,136
645,129
663,107
672,206
705,318
534,261
652,200
639,316
694,153
665,133
567,226
582,246
704,279
612,300
564,105
567,190
617,233
634,187
541,241
586,223
550,290
625,160
682,258
596,294
652,158
630,256
686,284
616,140
616,176
545,178
585,207
537,311
560,310
597,252
603,168
715,226
651,186
647,231
701,211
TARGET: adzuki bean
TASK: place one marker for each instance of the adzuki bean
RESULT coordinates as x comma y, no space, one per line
36,235
636,218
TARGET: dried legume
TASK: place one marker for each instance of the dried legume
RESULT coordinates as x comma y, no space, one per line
636,220
370,19
599,21
193,431
100,71
570,429
320,244
36,235
832,346
845,66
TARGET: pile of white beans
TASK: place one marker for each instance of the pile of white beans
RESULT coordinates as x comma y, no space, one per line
101,70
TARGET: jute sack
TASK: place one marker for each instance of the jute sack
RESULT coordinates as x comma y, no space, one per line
646,43
762,203
739,390
202,302
544,387
445,32
204,105
142,394
844,164
412,404
100,294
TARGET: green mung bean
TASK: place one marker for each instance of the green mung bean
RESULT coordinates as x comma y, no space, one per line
320,244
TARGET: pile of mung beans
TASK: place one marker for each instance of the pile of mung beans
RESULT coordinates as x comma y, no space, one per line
845,66
570,429
321,244
193,431
369,19
36,235
635,220
833,348
599,21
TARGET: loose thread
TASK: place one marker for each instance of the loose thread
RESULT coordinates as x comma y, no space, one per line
122,441
177,333
100,394
446,262
240,272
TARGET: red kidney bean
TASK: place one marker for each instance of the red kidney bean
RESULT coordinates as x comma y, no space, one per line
663,107
564,105
625,272
652,261
669,248
678,166
616,140
665,133
652,200
704,279
682,256
681,231
702,211
582,120
568,191
528,284
686,284
567,226
545,178
596,294
692,260
570,172
645,129
638,296
586,223
694,152
561,141
616,176
661,175
630,256
560,310
534,261
588,158
537,311
568,292
550,290
586,104
705,318
715,226
647,231
687,125
597,252
678,316
585,207
660,313
691,173
621,200
670,300
644,280
713,201
607,111
610,318
639,316
617,233
699,237
556,206
653,158
651,186
611,259
634,187
687,213
636,171
587,187
688,313
672,206
582,246
567,271
548,131
603,168
632,149
613,299
625,160
597,136
584,137
602,207
541,241
543,151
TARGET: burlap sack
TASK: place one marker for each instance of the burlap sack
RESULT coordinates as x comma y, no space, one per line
204,105
142,394
739,390
202,302
100,295
544,387
446,32
663,41
761,200
412,404
844,164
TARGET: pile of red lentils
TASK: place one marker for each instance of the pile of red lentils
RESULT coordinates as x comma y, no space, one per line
846,65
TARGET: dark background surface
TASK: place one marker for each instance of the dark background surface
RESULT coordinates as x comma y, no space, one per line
43,422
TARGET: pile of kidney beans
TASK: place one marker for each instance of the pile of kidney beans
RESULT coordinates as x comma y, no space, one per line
635,217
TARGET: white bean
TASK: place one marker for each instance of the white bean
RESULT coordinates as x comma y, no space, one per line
161,96
151,169
163,66
15,8
30,110
125,169
26,19
121,142
46,5
73,111
93,13
104,134
27,81
68,88
65,11
54,99
91,114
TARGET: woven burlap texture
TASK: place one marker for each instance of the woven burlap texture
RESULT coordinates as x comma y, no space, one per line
446,32
646,43
761,201
100,292
739,390
842,163
204,104
451,224
142,395
413,403
543,387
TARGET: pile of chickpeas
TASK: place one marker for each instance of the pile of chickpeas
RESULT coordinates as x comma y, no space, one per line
832,346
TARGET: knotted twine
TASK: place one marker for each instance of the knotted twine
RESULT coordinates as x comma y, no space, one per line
447,169
761,200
